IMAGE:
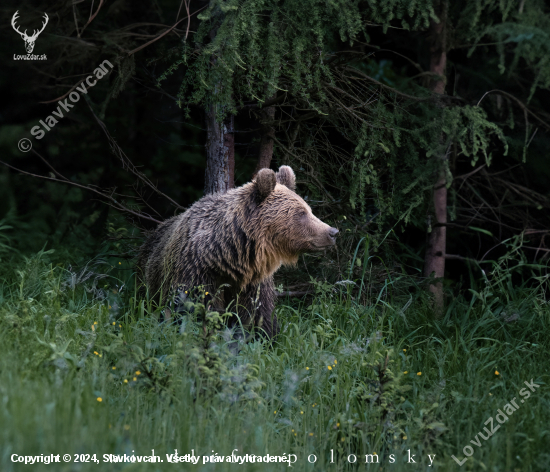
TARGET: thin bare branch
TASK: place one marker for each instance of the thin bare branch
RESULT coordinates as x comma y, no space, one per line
133,51
519,102
127,164
91,18
110,200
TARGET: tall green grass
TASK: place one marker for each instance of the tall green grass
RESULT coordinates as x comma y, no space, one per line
87,368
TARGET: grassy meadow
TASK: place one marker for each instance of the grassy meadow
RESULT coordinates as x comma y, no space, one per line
86,369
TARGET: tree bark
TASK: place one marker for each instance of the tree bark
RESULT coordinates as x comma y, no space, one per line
220,153
220,143
266,144
434,261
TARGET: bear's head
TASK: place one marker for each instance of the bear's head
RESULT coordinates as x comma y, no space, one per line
286,219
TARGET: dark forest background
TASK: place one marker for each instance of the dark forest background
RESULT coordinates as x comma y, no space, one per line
373,105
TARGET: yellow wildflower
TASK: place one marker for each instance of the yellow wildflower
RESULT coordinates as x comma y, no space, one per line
419,373
99,399
497,372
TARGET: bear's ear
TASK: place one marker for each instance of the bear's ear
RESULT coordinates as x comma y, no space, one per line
265,182
286,177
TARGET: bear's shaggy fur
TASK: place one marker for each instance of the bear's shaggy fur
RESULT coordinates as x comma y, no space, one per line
239,238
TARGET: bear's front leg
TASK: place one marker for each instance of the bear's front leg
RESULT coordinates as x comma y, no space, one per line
256,307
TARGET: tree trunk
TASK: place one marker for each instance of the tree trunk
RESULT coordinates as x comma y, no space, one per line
434,261
220,153
220,144
266,144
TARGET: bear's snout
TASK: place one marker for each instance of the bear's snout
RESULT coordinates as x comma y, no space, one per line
326,238
324,235
332,232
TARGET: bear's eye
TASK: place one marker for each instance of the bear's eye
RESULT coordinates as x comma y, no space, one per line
303,214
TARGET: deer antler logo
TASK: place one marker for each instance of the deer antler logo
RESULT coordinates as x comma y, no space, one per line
29,40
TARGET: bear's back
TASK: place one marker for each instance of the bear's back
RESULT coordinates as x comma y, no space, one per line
204,237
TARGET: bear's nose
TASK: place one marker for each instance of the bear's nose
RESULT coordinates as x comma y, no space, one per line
333,232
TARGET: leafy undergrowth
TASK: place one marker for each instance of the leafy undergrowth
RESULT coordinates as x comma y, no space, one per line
87,368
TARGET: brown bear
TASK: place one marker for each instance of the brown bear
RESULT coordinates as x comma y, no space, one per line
237,240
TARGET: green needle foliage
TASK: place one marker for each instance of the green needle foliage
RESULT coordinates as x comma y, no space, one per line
306,53
250,50
517,27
